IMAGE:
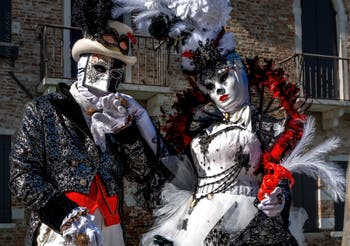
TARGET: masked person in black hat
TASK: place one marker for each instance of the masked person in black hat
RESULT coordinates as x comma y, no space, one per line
75,146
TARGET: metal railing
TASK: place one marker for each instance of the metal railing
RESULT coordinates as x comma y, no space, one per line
319,76
153,58
55,50
56,62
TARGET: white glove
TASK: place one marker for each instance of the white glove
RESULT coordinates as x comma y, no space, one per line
79,229
273,204
143,121
113,118
112,105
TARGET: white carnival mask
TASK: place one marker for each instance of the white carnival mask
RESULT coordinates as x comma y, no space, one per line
227,87
100,73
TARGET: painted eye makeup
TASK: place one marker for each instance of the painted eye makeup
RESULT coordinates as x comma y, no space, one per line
223,77
209,85
100,68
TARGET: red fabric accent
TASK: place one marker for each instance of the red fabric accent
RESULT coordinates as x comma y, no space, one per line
288,93
131,37
97,198
188,54
274,173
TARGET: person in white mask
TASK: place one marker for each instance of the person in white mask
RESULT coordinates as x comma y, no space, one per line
233,169
226,154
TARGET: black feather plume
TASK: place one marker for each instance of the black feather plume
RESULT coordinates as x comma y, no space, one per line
92,15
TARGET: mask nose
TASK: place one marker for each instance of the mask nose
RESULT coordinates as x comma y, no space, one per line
220,90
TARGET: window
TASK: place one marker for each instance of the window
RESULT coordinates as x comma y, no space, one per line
5,196
5,21
319,37
6,48
305,196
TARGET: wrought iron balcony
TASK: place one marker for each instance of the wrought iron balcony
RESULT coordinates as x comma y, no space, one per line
324,79
319,76
57,64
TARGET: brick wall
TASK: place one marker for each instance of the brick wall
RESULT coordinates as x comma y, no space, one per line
263,28
27,15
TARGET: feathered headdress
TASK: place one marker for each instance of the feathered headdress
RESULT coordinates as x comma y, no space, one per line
200,26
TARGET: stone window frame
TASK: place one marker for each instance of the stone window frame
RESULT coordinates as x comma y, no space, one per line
341,22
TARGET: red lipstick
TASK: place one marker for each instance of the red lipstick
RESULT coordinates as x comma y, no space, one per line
223,98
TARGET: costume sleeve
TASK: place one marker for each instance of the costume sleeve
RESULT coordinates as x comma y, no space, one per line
28,180
142,166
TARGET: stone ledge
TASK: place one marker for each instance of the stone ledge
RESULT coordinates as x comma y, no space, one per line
336,234
322,105
48,85
139,92
322,234
7,225
331,110
143,92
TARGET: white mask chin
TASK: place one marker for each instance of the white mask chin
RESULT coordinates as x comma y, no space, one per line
228,89
100,73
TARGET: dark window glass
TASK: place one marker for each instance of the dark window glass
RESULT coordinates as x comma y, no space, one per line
305,196
5,197
5,21
319,37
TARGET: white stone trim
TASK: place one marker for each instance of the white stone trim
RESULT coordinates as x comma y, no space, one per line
314,235
17,213
326,223
128,70
7,131
336,234
298,30
48,85
8,225
324,195
342,158
67,16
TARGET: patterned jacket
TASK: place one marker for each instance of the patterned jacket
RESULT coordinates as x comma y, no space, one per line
55,153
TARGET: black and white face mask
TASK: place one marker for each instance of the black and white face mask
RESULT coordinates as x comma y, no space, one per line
227,87
100,74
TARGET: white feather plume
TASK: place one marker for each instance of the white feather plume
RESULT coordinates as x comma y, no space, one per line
208,14
202,19
127,6
203,14
227,42
313,162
